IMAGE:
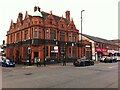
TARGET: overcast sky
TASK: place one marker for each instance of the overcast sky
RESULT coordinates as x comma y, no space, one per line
100,17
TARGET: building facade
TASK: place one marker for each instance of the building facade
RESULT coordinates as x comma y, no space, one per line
44,36
100,47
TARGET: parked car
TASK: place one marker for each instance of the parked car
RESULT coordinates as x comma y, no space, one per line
109,59
8,63
83,62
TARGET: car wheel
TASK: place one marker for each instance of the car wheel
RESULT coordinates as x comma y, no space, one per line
5,65
83,63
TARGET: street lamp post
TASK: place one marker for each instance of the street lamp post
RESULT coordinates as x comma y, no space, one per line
81,31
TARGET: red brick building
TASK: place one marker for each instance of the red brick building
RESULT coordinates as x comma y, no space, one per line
43,35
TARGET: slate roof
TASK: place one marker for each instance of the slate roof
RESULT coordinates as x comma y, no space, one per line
97,39
57,18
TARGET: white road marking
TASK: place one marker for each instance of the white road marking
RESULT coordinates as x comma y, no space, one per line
112,67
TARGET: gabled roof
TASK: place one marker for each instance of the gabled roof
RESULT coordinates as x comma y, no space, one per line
97,39
57,18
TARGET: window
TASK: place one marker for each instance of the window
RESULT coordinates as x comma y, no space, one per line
26,34
62,36
72,27
50,21
69,38
74,51
52,54
11,38
73,37
62,26
17,37
52,34
46,34
36,32
25,49
35,22
69,52
28,24
46,50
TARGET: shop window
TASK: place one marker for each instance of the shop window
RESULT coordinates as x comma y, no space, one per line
46,51
74,52
69,52
52,53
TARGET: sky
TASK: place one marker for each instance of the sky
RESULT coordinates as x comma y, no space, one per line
100,17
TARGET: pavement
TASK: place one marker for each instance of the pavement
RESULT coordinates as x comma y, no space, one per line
48,65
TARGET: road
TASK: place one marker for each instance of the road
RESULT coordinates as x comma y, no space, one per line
101,75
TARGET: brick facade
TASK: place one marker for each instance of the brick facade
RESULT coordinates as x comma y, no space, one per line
42,32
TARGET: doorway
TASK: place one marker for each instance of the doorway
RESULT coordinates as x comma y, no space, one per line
35,56
17,57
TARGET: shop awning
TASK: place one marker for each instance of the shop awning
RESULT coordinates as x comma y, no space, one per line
105,53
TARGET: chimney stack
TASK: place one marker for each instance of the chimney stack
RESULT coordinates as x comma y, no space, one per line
20,16
38,9
35,8
68,15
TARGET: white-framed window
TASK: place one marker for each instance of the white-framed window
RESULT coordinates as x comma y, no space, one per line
46,34
26,34
62,36
52,34
36,33
73,37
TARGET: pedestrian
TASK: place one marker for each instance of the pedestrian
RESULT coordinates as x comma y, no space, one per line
64,61
37,61
45,62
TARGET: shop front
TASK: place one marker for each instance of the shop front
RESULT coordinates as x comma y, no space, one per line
100,52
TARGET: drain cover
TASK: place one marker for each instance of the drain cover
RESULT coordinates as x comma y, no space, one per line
28,74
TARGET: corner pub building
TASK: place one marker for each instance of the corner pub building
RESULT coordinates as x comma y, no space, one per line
45,36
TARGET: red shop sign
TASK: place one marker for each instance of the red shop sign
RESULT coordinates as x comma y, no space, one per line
98,50
101,50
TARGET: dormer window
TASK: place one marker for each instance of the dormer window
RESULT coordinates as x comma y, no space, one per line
50,21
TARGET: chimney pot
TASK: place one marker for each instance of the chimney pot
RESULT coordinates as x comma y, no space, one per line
68,15
39,9
35,8
20,16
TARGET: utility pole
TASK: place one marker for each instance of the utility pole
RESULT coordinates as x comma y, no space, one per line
81,31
